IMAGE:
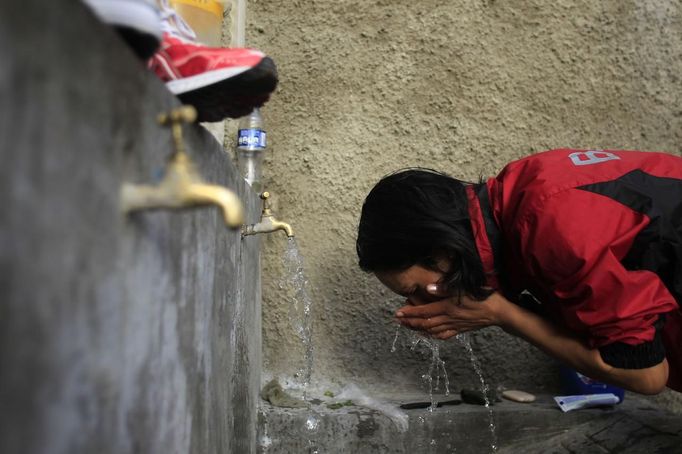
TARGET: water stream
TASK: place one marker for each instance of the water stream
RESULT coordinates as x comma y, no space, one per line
300,308
436,366
395,339
300,317
485,389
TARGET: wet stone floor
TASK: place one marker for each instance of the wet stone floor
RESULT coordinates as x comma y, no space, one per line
633,427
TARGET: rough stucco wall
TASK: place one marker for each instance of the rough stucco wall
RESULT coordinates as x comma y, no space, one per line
460,86
117,334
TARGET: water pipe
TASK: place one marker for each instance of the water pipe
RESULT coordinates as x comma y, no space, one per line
238,23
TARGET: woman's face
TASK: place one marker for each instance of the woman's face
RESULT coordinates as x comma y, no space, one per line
411,282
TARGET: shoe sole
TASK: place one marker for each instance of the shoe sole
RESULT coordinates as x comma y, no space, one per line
231,97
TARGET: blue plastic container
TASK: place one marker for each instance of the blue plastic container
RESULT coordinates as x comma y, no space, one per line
574,383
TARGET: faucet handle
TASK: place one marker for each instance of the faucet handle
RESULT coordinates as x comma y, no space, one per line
186,114
265,195
175,118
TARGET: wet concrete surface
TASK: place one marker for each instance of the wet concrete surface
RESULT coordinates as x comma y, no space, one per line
634,426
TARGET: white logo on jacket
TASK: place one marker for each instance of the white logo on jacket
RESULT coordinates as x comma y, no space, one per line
584,158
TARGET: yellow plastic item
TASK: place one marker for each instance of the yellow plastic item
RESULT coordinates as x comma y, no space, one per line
204,16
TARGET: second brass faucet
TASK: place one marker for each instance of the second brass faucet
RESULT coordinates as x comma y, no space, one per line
268,223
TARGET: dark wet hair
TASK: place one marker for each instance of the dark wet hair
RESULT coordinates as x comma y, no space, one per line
417,217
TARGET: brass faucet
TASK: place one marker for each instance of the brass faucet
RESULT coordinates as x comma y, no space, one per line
267,223
182,186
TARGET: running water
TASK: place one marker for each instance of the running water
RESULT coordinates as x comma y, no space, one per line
395,339
300,309
466,342
435,368
437,365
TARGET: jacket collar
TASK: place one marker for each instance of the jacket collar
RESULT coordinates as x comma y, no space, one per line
487,234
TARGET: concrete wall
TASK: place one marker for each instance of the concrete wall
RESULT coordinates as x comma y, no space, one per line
117,335
460,85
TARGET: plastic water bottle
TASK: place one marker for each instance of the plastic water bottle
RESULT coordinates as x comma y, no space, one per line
251,143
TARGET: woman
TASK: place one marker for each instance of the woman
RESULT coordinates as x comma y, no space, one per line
578,252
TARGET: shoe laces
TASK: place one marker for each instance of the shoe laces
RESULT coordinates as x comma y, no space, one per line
173,24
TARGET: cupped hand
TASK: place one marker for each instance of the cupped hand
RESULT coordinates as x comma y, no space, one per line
451,315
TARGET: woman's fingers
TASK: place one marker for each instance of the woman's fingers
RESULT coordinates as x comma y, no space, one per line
442,328
446,334
423,311
438,325
425,324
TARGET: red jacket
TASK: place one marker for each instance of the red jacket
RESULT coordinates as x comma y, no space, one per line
596,236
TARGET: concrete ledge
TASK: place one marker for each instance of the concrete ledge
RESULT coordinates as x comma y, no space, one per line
118,334
634,426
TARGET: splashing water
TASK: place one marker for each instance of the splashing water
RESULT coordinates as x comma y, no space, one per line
395,339
435,368
485,389
312,426
300,309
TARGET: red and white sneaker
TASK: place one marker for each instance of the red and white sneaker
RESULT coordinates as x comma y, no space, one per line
219,82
